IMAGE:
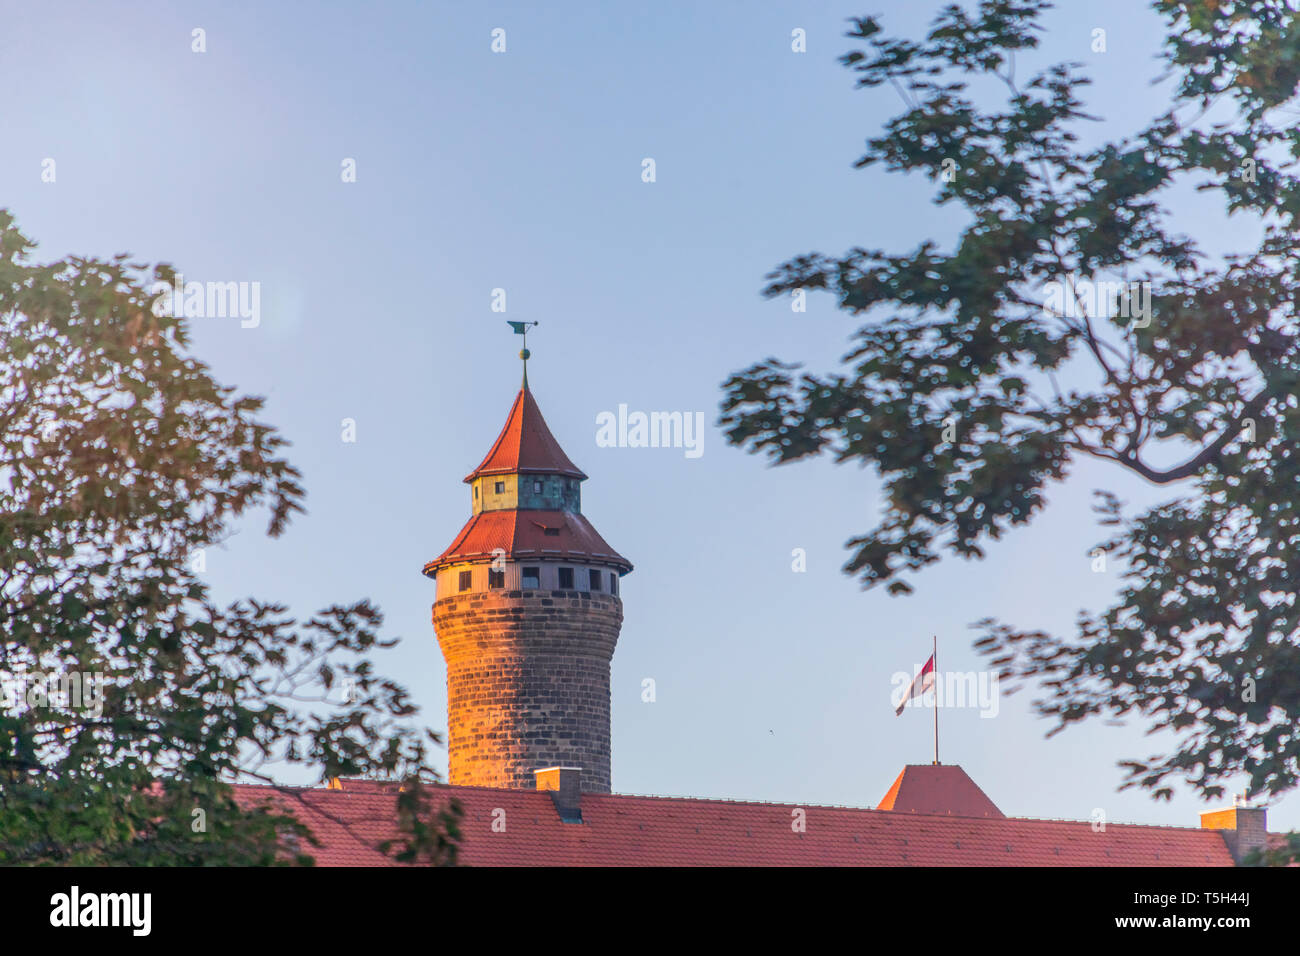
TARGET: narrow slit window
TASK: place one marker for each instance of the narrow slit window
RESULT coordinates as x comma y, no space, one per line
532,578
593,578
613,582
537,487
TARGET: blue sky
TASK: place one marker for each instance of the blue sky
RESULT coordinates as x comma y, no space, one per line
522,171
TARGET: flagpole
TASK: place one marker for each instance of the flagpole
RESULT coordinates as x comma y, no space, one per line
936,700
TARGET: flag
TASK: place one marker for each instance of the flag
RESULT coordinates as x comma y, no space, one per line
519,327
920,684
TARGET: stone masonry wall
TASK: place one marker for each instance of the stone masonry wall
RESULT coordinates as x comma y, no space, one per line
527,684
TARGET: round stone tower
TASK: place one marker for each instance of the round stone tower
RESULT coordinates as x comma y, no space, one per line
527,615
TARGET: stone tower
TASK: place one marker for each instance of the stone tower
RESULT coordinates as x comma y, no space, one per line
527,615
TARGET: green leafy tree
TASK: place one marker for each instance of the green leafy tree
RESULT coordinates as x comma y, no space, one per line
130,700
988,367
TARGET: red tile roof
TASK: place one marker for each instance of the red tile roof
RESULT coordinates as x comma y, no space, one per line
624,830
938,788
349,824
526,445
522,534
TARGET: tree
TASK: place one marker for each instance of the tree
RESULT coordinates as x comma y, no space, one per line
1068,319
130,700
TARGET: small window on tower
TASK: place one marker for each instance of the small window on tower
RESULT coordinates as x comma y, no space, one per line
551,532
566,579
476,492
532,578
496,579
593,577
466,580
537,487
613,582
501,487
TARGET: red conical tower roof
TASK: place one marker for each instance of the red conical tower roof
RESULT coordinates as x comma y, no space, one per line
526,445
529,534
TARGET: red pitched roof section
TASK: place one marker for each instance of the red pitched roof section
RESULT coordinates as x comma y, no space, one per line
623,830
522,534
349,825
526,444
938,788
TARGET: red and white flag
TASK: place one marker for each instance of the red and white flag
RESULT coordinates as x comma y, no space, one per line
920,684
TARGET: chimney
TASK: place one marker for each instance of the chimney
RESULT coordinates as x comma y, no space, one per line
565,785
1245,828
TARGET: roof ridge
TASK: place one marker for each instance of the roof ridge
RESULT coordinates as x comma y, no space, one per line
736,802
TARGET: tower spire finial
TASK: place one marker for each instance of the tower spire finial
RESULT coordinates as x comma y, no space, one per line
521,328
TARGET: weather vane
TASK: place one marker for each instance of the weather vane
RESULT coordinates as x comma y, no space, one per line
521,328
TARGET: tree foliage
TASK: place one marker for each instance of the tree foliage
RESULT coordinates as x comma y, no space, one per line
988,366
131,700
